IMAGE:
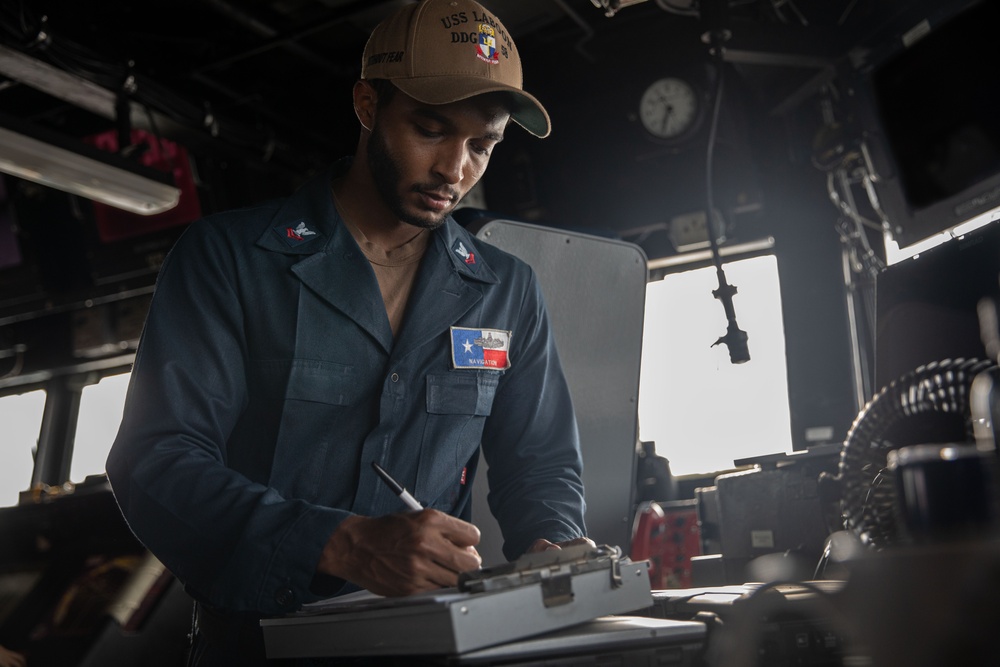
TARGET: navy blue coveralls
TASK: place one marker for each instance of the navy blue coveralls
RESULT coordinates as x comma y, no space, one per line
267,379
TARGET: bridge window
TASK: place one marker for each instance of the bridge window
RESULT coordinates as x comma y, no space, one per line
21,417
701,410
101,407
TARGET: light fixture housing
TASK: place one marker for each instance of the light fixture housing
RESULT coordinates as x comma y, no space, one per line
33,154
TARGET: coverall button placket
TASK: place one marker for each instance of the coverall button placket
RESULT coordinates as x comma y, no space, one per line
284,597
373,495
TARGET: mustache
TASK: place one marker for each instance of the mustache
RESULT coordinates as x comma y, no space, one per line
436,190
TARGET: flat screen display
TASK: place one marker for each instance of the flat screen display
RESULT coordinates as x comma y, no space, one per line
926,306
934,123
940,105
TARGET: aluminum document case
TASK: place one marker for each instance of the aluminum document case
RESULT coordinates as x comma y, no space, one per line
536,594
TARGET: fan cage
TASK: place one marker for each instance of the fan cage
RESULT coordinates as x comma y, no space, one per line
868,501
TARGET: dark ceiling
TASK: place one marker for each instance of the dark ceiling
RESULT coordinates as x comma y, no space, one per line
269,80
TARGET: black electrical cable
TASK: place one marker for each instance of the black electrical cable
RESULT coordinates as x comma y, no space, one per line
734,338
710,157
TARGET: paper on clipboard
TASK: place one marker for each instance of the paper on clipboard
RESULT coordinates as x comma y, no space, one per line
365,600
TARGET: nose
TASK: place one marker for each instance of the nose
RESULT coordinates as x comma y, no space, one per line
450,162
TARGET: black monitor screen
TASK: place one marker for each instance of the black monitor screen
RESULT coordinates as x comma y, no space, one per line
940,105
927,305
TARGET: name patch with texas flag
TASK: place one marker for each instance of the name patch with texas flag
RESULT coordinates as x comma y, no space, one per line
480,348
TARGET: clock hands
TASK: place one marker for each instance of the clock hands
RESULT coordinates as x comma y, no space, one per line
669,108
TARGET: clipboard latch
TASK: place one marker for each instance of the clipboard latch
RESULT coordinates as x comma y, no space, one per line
557,589
553,570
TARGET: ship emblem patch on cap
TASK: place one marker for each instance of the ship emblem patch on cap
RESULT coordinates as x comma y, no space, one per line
486,46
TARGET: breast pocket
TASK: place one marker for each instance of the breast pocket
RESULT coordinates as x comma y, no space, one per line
462,393
309,380
312,405
458,404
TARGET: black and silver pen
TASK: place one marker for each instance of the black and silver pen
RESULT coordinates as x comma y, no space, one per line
397,488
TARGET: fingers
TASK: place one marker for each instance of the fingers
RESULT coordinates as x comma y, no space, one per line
10,658
447,541
542,544
401,554
458,533
578,541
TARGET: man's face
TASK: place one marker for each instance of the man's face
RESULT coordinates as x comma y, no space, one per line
424,158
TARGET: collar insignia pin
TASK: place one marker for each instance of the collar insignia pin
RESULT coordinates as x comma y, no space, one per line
463,252
296,235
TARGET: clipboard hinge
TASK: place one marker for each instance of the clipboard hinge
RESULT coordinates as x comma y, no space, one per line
557,589
616,570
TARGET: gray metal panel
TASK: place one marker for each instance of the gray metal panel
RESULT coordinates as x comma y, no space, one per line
595,290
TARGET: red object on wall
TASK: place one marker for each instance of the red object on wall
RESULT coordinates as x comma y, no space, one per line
113,223
667,535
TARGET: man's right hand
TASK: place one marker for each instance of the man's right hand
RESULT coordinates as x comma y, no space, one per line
401,554
10,658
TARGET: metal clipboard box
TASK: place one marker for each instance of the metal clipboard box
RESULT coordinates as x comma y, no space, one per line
537,593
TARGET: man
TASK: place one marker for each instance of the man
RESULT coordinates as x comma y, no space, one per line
292,344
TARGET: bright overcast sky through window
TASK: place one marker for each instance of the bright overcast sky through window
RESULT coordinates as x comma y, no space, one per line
21,416
700,409
101,407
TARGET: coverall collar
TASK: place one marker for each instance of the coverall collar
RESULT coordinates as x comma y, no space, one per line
312,206
448,282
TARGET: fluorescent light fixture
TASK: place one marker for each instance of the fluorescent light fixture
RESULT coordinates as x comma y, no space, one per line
91,177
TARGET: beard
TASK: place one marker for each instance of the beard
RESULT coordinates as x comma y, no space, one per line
387,177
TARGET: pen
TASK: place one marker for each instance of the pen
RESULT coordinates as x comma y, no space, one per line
397,488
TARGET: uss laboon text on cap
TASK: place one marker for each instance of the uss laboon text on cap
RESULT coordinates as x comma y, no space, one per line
442,51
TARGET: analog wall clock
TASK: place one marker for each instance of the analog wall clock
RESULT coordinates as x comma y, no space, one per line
670,109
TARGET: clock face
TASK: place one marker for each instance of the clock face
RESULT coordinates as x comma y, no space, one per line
669,108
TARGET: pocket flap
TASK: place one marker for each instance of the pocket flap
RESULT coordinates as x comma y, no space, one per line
308,380
461,393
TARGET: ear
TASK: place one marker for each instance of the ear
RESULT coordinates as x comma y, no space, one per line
365,102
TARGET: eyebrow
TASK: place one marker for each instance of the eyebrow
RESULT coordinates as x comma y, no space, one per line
430,114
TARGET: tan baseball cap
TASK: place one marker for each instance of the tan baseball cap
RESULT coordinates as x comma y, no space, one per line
441,51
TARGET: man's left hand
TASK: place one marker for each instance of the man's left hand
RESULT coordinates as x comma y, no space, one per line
542,544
